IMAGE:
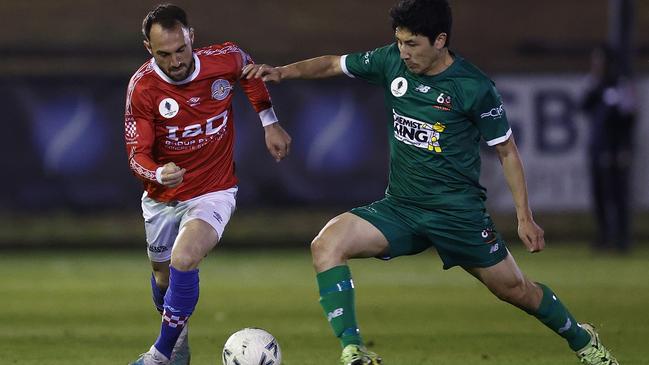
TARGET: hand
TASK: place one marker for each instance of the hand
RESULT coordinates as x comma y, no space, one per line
531,235
171,175
278,141
264,72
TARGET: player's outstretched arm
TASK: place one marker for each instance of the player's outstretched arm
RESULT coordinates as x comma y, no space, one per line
529,232
314,68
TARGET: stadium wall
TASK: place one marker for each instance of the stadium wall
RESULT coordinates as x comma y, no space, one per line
552,135
65,138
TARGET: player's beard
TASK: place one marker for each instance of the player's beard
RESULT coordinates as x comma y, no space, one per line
184,75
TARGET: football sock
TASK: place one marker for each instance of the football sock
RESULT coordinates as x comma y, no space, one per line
556,317
179,303
337,300
158,295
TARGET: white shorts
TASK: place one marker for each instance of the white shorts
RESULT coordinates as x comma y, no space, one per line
162,221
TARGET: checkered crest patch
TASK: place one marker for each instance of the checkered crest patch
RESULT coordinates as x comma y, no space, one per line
131,130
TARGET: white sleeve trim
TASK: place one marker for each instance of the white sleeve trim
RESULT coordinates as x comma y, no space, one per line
158,174
502,139
268,117
343,66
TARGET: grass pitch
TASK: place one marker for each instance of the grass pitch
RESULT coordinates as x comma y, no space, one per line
94,307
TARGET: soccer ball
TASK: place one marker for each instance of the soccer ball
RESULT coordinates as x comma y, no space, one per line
251,346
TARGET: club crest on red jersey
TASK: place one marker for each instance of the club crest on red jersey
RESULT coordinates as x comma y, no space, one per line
221,89
130,129
168,108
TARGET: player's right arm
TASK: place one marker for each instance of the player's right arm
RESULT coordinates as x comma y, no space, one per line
139,135
314,68
369,66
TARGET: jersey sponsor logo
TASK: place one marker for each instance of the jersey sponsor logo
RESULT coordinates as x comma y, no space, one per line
221,89
494,113
168,108
443,102
196,135
423,88
417,133
399,87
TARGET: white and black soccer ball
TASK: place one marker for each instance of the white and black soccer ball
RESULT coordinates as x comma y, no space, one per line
251,346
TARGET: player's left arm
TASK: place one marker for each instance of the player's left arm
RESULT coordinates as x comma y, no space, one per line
529,232
490,117
278,141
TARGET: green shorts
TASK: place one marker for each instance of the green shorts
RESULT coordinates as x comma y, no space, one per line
461,238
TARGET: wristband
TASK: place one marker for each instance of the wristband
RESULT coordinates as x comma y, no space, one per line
158,175
268,117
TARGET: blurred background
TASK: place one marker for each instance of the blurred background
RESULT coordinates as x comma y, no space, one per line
66,64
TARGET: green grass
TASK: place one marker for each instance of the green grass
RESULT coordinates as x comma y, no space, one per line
94,307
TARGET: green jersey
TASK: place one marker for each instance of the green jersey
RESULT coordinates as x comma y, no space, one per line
434,126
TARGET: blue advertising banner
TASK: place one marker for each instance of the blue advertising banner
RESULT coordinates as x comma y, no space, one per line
65,150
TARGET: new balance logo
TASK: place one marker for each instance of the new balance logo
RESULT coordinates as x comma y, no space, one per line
494,248
336,313
422,88
565,326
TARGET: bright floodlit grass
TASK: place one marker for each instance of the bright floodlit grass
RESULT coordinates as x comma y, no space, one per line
94,307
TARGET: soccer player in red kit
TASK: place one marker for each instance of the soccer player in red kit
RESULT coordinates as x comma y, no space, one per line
179,131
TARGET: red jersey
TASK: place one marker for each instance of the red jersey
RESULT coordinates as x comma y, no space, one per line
189,122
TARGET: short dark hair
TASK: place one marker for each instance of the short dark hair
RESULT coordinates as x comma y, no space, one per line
423,17
167,15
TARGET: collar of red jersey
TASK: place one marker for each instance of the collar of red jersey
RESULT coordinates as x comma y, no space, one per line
197,69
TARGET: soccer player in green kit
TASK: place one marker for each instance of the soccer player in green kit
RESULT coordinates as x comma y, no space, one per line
439,107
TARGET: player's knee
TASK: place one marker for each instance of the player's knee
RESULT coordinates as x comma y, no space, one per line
512,291
320,249
184,261
325,252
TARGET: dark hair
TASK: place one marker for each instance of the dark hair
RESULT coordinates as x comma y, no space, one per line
167,15
423,17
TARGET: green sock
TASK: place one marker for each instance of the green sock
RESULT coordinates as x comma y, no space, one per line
337,300
556,317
